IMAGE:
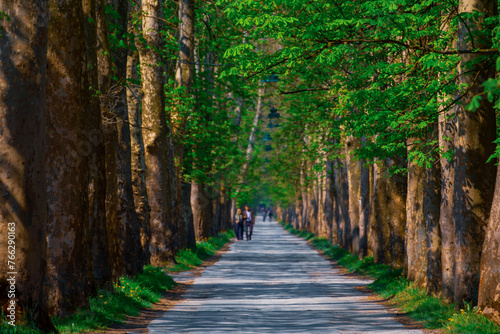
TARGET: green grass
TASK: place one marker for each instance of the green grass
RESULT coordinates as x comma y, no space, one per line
390,284
24,326
190,258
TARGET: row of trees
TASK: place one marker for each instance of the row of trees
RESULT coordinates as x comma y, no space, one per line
119,142
388,144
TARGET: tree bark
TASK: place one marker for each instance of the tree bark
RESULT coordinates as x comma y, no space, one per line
446,138
67,282
416,242
353,179
473,190
379,230
184,77
134,100
95,143
431,209
156,138
489,284
23,204
364,209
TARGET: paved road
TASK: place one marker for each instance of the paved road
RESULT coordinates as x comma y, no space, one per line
275,283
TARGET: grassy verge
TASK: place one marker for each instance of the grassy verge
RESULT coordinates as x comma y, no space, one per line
129,295
190,258
389,283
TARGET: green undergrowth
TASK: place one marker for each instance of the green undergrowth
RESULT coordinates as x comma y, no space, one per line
390,284
129,295
190,258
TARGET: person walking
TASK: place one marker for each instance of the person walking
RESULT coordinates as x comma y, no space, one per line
265,214
249,218
238,225
270,214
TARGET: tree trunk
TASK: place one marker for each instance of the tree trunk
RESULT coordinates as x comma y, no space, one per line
416,244
67,282
489,284
396,218
23,205
201,201
353,179
364,209
184,78
431,208
379,230
96,158
156,133
473,190
134,100
331,203
447,132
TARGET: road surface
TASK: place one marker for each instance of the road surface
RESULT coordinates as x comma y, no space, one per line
276,283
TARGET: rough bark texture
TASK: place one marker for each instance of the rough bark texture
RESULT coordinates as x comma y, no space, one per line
331,203
134,99
416,242
447,128
67,281
344,220
473,190
127,217
489,284
23,55
156,138
353,179
364,209
379,231
201,201
431,208
396,210
184,77
94,141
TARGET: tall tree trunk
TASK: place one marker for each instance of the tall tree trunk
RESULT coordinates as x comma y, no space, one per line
431,208
446,138
331,203
184,77
127,216
67,282
96,158
156,133
23,205
379,230
396,218
473,190
416,242
353,179
364,209
134,100
489,284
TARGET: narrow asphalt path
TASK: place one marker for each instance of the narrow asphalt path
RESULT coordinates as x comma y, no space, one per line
276,283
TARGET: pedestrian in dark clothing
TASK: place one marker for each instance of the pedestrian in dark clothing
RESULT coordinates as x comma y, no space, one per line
238,225
265,214
249,218
270,213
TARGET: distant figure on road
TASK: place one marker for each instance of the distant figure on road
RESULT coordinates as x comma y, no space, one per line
265,214
249,218
270,213
238,225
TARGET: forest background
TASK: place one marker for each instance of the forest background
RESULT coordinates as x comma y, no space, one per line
131,129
